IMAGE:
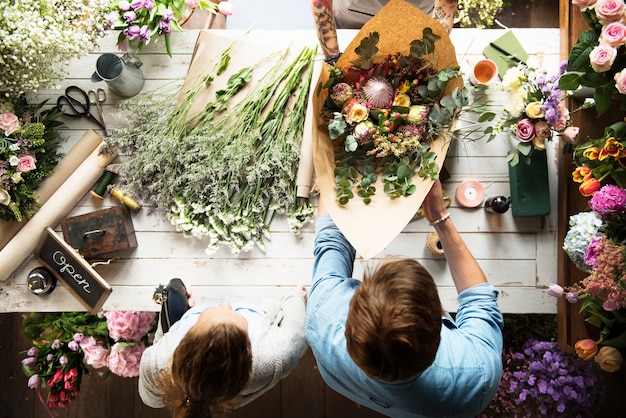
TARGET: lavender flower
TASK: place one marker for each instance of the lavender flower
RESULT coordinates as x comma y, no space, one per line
541,380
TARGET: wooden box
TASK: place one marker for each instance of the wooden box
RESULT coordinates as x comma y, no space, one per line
101,232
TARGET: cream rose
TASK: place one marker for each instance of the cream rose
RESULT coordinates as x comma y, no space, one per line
515,103
602,57
5,197
620,81
609,359
9,123
534,111
355,111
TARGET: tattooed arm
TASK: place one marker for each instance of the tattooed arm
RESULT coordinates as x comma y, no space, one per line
444,12
326,27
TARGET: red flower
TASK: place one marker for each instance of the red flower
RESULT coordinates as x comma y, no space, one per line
71,377
589,187
611,147
58,377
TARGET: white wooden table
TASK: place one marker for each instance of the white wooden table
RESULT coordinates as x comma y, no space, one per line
519,255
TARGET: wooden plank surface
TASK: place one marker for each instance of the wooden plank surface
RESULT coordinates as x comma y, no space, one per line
519,255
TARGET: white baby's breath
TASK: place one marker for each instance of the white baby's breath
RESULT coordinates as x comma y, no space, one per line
39,36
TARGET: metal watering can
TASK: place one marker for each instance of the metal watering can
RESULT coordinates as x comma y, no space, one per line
122,74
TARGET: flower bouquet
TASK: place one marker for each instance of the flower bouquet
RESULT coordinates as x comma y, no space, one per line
385,115
28,145
596,243
143,20
39,36
541,380
600,159
65,344
598,60
534,111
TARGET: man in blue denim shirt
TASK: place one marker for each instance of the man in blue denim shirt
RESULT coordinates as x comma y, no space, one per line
386,343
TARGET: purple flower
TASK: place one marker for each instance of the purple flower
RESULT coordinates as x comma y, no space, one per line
148,4
137,4
168,16
28,361
591,254
571,297
608,199
112,17
49,358
132,32
34,381
164,26
63,360
73,345
124,5
130,16
610,305
555,290
144,33
78,337
32,352
56,344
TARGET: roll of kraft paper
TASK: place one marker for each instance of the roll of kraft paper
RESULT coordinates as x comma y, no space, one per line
54,210
68,164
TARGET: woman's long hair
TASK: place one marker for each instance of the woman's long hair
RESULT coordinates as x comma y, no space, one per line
209,369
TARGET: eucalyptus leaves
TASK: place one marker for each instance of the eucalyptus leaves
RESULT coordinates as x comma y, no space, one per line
385,115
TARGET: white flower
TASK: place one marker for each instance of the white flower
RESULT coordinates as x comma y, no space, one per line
514,105
5,197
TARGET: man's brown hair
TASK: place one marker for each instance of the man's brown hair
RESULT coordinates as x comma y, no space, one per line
394,322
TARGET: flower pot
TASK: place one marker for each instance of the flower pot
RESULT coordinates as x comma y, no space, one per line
530,191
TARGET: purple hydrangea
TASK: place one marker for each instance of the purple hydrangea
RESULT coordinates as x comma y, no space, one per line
608,200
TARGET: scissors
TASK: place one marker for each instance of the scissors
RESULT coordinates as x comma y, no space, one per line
76,102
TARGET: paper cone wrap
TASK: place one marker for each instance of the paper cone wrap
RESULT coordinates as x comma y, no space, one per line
370,228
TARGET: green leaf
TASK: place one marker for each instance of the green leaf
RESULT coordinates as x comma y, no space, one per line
570,81
603,97
366,50
487,117
579,55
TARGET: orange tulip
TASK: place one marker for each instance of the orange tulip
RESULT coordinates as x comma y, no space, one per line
589,187
591,153
586,349
581,174
611,147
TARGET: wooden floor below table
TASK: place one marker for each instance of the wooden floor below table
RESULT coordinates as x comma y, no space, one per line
302,394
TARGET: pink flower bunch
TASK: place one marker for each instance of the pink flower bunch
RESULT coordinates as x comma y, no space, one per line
129,326
599,50
124,358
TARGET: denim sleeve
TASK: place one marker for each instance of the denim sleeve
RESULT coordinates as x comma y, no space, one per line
334,256
479,315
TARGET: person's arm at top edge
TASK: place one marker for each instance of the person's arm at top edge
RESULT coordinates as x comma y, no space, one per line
326,27
444,12
464,269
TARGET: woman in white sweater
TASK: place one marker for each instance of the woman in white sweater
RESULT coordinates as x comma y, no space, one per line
216,358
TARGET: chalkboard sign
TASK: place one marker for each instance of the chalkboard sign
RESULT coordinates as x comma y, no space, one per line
72,270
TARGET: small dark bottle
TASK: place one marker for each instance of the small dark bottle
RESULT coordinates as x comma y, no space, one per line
498,204
41,282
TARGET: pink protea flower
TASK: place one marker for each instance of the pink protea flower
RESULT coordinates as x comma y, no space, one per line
379,92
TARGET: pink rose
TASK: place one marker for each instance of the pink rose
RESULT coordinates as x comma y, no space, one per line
602,57
525,130
9,123
609,11
570,134
542,130
26,163
620,81
129,325
614,33
226,8
125,358
561,122
95,352
584,4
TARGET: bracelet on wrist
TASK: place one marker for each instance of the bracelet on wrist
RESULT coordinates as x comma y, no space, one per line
332,59
440,220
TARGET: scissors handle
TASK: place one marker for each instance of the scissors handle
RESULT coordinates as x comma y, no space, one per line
74,102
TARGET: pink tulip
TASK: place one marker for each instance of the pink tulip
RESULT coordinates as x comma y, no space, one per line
226,8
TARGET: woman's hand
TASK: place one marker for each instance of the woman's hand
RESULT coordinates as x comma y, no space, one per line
191,301
301,290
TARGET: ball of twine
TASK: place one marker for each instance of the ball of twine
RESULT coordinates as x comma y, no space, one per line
433,246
